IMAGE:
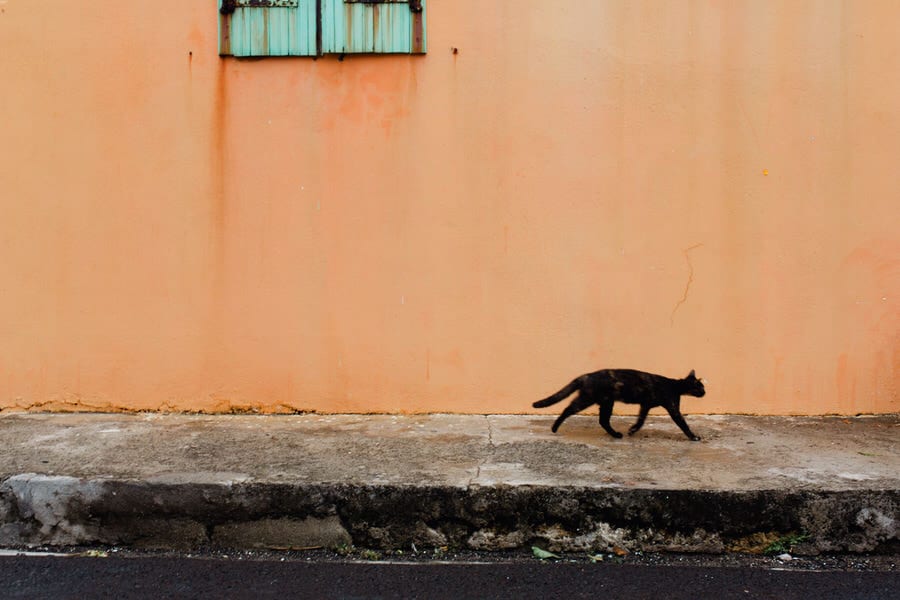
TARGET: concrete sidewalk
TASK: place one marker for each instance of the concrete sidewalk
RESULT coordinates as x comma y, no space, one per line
483,482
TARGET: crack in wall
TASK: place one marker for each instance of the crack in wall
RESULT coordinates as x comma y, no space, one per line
687,286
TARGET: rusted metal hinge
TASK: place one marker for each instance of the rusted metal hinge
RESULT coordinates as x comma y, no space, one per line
228,6
414,5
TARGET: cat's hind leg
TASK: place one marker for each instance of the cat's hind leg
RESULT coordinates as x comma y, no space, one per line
573,407
640,421
606,409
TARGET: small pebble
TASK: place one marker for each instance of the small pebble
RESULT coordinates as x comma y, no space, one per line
784,557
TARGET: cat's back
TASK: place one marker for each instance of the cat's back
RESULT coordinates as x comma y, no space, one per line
624,377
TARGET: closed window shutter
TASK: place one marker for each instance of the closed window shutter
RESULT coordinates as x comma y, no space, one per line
267,27
369,26
312,27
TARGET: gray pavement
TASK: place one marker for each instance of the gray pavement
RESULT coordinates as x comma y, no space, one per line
825,484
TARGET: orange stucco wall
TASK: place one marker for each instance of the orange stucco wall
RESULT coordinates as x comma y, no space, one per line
645,184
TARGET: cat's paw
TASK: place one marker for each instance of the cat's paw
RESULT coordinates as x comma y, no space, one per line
695,438
632,431
616,434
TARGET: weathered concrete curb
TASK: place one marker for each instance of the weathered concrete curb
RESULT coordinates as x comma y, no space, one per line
60,511
481,482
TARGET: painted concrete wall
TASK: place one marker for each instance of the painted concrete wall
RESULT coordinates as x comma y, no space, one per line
646,184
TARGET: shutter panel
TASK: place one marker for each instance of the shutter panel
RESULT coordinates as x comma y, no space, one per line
267,27
373,26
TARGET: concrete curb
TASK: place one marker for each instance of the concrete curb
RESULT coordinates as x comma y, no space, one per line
38,510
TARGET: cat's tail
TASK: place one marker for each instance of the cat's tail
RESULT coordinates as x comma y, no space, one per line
560,395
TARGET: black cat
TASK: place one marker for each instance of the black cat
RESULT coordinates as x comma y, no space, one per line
631,387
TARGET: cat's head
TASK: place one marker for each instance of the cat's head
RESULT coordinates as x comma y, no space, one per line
694,386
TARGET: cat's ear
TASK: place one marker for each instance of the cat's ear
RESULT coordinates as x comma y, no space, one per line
691,375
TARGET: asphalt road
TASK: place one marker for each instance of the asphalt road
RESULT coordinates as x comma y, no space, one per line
157,577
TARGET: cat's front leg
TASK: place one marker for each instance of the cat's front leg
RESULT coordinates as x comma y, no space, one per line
682,424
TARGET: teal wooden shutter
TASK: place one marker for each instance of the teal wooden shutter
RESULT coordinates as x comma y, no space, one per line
379,26
268,27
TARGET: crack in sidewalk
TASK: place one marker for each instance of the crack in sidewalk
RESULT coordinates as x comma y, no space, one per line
489,455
